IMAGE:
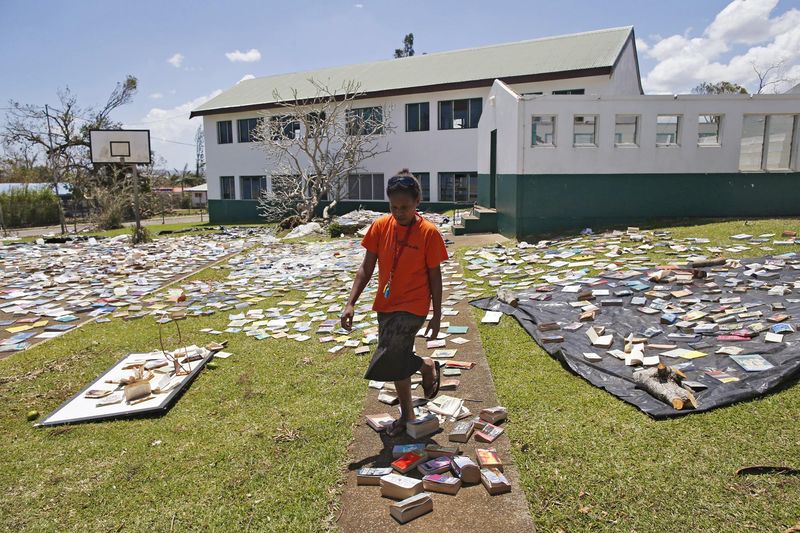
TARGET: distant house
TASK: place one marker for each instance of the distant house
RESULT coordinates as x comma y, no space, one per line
199,195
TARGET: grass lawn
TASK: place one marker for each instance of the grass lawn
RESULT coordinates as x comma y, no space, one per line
259,443
591,462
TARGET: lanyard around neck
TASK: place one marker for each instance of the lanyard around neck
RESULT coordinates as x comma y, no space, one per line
398,247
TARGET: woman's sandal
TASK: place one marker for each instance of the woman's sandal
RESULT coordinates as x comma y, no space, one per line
396,428
437,366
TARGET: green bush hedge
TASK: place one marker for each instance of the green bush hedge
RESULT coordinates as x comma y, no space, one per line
29,207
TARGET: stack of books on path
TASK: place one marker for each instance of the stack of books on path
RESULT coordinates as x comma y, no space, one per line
419,469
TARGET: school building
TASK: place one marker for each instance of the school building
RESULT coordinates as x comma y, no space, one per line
541,135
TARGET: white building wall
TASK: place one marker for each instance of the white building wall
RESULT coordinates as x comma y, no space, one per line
432,151
646,157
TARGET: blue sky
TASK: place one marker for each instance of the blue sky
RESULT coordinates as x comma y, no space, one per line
177,49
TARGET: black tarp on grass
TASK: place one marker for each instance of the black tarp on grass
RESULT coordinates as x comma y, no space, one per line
614,376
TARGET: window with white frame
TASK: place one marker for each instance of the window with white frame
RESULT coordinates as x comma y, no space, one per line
365,187
458,186
251,186
708,130
584,130
543,130
365,121
626,130
460,114
228,192
668,130
752,142
780,137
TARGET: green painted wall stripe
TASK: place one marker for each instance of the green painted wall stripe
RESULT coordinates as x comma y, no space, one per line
534,204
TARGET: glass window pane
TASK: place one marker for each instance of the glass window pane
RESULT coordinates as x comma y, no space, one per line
412,117
445,115
377,187
585,130
461,188
424,116
626,129
752,142
779,143
460,114
227,187
475,109
473,187
543,130
425,184
365,184
708,128
667,130
445,187
352,189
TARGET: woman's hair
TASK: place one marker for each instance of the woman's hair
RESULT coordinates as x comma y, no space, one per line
404,181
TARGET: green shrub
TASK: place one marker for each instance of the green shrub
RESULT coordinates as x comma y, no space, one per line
29,207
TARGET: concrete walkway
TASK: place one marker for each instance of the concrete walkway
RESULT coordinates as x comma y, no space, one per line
472,509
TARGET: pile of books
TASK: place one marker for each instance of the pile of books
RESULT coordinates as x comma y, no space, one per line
419,469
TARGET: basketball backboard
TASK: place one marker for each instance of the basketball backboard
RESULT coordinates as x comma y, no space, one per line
111,146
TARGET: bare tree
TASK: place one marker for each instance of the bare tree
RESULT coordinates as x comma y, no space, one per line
61,133
313,143
772,76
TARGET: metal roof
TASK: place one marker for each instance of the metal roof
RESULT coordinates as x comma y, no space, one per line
567,54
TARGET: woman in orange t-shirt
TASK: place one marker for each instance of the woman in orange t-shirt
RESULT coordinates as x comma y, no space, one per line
409,251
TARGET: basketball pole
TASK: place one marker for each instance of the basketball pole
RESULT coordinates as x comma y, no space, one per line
135,196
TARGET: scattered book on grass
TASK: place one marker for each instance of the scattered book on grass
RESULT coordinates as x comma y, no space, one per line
466,469
492,317
494,481
371,476
445,483
444,353
411,508
387,397
399,487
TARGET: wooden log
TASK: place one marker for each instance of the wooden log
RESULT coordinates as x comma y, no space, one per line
663,382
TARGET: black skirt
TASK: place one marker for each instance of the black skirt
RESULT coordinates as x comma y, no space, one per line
394,358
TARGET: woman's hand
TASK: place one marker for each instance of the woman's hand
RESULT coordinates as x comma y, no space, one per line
432,332
347,317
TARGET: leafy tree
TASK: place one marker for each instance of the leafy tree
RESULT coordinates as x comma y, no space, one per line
722,87
408,47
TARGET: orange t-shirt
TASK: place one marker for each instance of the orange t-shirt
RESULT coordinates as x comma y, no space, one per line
409,290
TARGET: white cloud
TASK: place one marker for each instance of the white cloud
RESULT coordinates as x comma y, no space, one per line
684,61
157,96
245,78
250,56
358,6
170,127
176,60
